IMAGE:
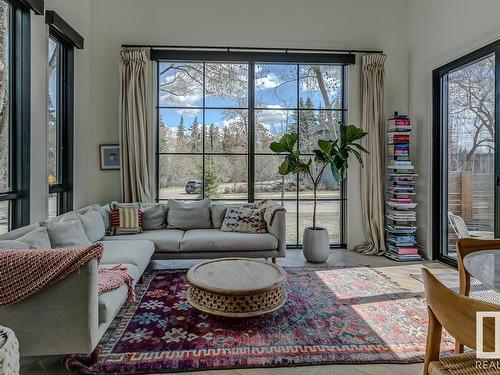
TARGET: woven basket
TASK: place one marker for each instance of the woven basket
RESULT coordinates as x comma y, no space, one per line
9,352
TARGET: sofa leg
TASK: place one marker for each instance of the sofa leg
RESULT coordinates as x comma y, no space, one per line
94,356
274,260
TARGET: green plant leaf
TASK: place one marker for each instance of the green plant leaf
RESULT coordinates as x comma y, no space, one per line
325,146
359,147
303,167
344,153
289,140
337,175
320,157
353,133
358,156
277,147
285,144
284,168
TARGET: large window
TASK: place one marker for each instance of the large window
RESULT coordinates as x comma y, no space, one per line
466,168
60,123
217,119
14,115
63,40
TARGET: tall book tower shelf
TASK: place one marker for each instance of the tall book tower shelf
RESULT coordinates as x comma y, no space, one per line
401,216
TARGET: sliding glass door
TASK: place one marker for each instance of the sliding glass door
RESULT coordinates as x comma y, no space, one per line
465,168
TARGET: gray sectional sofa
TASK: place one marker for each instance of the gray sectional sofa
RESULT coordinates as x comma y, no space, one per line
70,316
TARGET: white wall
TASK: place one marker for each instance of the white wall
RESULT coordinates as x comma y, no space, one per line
416,35
77,14
363,24
440,31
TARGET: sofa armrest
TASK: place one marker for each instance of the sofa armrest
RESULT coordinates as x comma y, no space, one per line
278,229
61,319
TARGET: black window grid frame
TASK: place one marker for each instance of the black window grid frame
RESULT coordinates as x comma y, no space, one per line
251,140
18,197
439,236
63,189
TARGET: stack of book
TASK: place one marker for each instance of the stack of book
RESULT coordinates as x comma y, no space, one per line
401,216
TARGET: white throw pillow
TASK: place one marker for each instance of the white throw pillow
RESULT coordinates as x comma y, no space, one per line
66,234
36,239
92,222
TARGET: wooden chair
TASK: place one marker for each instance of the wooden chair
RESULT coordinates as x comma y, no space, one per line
457,314
466,246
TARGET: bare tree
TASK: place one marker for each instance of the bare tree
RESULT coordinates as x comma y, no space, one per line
471,110
181,85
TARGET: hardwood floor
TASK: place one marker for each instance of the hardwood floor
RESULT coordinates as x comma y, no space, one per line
398,272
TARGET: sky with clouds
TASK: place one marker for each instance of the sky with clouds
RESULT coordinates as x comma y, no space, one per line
276,89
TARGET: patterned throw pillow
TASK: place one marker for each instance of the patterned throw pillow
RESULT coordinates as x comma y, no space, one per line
125,218
244,220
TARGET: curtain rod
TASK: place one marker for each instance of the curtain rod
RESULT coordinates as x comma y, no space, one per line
240,49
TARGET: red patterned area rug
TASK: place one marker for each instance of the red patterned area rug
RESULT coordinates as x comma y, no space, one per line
333,315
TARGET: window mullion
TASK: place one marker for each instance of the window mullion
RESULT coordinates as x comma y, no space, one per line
203,179
251,132
298,147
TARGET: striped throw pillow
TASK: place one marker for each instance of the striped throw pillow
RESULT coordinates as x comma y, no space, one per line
125,218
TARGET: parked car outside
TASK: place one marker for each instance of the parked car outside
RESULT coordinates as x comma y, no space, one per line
193,186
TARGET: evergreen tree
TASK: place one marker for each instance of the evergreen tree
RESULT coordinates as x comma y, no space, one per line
181,135
226,139
211,182
308,119
213,138
195,136
308,125
263,138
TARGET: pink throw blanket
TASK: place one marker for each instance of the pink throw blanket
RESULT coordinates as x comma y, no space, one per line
24,273
112,277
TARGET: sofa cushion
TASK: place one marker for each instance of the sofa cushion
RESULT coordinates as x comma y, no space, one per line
92,222
135,252
13,245
185,216
36,239
165,240
19,232
155,217
200,240
66,234
104,211
110,302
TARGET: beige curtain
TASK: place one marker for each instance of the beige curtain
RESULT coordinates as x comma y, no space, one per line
133,122
372,175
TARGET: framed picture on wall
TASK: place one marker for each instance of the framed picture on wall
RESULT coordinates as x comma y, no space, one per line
110,156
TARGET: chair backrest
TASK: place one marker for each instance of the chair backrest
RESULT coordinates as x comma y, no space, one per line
458,225
457,313
465,246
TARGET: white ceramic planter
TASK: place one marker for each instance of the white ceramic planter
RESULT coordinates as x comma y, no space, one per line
316,245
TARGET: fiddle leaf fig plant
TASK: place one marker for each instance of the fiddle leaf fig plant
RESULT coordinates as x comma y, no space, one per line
330,153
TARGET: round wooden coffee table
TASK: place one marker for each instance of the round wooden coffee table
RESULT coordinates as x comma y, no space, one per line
236,287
